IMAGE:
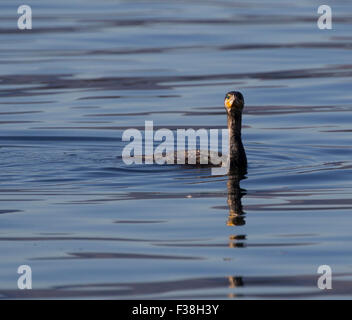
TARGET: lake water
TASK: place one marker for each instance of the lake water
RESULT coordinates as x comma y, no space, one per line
90,226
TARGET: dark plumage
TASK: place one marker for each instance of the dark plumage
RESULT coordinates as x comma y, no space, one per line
234,104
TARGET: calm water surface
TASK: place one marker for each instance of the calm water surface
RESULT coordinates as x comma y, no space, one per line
92,227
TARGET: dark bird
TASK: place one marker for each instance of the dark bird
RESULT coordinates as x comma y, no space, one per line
234,104
236,160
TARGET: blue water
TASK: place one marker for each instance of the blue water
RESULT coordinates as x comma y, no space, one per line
90,226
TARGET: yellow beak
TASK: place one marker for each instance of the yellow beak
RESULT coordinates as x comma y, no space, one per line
228,103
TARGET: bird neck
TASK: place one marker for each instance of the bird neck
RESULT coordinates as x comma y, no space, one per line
236,150
234,123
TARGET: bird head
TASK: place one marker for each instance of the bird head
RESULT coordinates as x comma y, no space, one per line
234,102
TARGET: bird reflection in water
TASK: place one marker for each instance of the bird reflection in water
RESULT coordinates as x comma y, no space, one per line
234,200
236,217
